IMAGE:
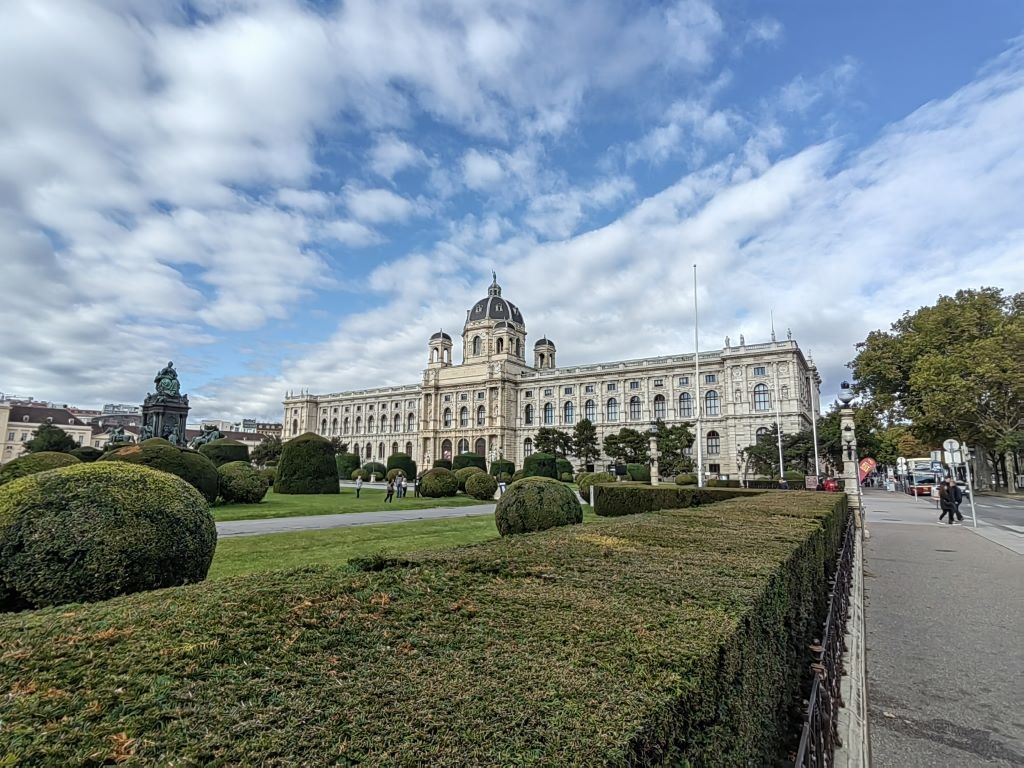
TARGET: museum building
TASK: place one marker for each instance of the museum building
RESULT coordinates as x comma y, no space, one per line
494,401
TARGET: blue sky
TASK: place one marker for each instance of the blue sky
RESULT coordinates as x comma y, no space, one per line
281,195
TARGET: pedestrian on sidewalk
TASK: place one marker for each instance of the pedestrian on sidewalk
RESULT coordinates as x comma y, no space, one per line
359,485
391,490
950,497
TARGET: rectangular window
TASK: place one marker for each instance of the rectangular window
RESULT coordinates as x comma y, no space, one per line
710,378
611,386
714,468
528,393
634,385
447,398
10,437
659,382
759,370
589,389
347,408
480,395
369,407
464,396
548,392
684,381
567,390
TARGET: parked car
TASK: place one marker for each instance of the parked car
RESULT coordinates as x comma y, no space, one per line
831,484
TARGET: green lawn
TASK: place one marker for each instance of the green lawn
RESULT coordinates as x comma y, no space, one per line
249,554
370,500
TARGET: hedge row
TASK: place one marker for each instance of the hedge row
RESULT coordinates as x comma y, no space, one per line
617,499
674,638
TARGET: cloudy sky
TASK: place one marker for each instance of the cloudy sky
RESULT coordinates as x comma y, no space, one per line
280,194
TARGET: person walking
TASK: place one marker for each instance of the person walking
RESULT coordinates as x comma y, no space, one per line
359,485
401,486
391,490
950,497
416,487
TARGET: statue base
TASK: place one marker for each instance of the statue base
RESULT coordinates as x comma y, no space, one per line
165,417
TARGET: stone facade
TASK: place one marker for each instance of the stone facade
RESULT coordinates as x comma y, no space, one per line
494,401
18,422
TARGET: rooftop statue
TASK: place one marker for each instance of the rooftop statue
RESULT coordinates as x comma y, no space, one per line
166,381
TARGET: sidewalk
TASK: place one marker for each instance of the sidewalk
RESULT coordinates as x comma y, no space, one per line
945,633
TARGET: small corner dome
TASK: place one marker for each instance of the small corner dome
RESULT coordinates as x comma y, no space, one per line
440,335
544,341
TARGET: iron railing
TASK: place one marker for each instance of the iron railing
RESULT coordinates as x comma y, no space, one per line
819,736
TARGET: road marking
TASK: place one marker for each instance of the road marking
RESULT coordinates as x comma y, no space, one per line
1018,528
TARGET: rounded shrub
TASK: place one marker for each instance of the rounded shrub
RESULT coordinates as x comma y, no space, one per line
358,473
31,463
687,478
307,466
393,473
270,473
794,478
593,478
464,474
505,477
404,462
347,464
468,459
241,484
540,465
502,466
191,466
439,482
481,486
517,475
536,504
224,451
442,464
563,467
565,477
639,472
94,531
374,468
87,453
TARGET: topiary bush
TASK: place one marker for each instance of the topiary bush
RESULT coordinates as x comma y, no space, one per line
540,465
517,475
224,451
505,477
481,486
442,464
374,468
393,473
358,473
439,482
31,463
191,466
614,500
536,504
794,478
717,482
241,484
593,478
270,473
93,531
464,474
502,466
347,464
686,479
639,472
87,453
404,462
563,467
468,459
307,466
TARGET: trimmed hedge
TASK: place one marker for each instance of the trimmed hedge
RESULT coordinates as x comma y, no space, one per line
502,466
716,482
270,474
481,486
402,461
93,531
442,464
616,499
469,459
87,453
30,463
465,473
687,478
517,475
241,484
375,469
224,451
347,464
639,472
540,465
307,466
593,478
439,482
536,504
191,466
674,638
564,467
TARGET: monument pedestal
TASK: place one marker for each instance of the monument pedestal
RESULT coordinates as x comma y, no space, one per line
165,418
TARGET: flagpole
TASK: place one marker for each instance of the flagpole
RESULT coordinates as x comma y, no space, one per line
778,420
815,410
696,376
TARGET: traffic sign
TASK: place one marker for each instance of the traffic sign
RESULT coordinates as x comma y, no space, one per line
951,445
952,451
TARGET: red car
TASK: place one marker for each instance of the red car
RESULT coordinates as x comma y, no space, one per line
831,484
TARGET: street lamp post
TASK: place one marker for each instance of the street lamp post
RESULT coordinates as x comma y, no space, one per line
851,473
654,453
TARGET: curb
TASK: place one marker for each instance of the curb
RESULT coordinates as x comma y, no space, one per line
852,728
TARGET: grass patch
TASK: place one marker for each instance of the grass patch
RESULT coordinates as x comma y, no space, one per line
665,638
370,500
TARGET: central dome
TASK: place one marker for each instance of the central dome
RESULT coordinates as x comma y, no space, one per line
493,307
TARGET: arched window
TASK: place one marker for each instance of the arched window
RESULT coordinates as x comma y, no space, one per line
659,406
433,355
634,408
323,427
500,346
476,345
463,445
528,414
408,448
714,443
394,448
295,426
380,451
685,406
356,449
345,426
519,350
369,452
613,410
541,358
568,413
527,447
383,422
480,447
359,424
410,423
761,434
369,425
712,405
481,416
446,450
447,417
463,417
549,413
590,411
334,426
762,398
398,424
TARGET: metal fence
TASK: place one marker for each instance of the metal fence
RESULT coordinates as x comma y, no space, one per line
819,737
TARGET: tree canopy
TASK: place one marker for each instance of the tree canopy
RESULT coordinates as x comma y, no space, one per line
628,446
584,442
50,438
553,441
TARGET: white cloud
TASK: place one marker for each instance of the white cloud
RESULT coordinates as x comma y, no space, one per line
481,171
378,205
764,30
350,233
391,155
304,199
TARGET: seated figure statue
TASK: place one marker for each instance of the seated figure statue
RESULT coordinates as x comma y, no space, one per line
167,384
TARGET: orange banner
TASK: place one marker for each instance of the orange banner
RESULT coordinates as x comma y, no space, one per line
867,466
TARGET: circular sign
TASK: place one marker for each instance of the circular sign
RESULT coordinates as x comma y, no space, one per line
951,445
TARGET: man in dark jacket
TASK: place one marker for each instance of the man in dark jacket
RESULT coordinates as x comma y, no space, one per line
950,497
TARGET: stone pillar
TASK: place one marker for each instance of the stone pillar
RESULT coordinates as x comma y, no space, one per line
851,473
654,461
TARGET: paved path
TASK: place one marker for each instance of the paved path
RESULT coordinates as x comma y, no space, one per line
945,624
319,522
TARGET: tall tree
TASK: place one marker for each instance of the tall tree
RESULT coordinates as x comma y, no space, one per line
268,450
628,446
555,441
673,442
338,445
584,442
50,438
